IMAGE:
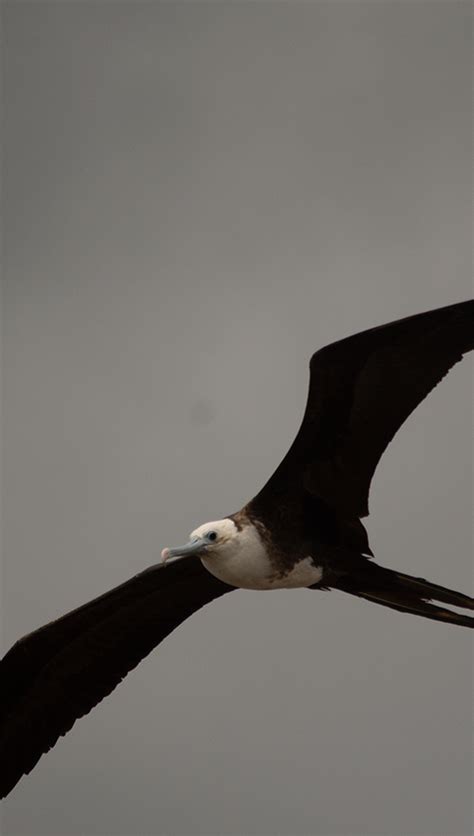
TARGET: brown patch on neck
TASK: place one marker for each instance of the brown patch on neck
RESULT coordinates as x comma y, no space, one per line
249,518
240,518
243,518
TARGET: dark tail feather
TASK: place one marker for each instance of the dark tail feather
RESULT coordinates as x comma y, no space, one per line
407,594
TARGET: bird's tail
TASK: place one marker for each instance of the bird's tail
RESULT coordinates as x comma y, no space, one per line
407,594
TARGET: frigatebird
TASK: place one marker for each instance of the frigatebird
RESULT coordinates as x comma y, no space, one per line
303,529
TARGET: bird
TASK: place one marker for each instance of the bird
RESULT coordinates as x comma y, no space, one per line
302,529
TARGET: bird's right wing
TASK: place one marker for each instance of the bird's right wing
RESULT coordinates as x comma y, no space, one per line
55,675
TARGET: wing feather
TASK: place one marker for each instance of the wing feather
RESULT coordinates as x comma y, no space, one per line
361,390
59,673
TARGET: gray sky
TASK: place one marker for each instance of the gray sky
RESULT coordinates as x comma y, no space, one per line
199,195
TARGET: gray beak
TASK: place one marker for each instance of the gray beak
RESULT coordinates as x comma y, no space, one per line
193,547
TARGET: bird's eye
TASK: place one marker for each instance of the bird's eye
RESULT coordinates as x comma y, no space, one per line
211,535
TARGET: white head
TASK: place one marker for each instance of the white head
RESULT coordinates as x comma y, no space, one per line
218,537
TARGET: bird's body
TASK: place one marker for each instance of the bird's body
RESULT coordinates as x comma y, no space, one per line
251,563
303,529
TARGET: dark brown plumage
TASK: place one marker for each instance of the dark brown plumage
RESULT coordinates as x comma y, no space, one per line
57,674
361,390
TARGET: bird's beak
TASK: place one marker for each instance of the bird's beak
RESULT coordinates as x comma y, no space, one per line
193,547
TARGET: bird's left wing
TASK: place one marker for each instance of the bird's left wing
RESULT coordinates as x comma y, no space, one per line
55,675
361,390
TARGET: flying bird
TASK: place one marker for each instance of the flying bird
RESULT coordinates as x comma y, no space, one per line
303,529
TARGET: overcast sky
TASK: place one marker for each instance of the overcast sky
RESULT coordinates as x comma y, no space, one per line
197,196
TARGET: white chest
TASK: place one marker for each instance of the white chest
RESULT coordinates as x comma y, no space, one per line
245,563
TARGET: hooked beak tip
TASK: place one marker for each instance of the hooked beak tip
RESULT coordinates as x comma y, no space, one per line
194,547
